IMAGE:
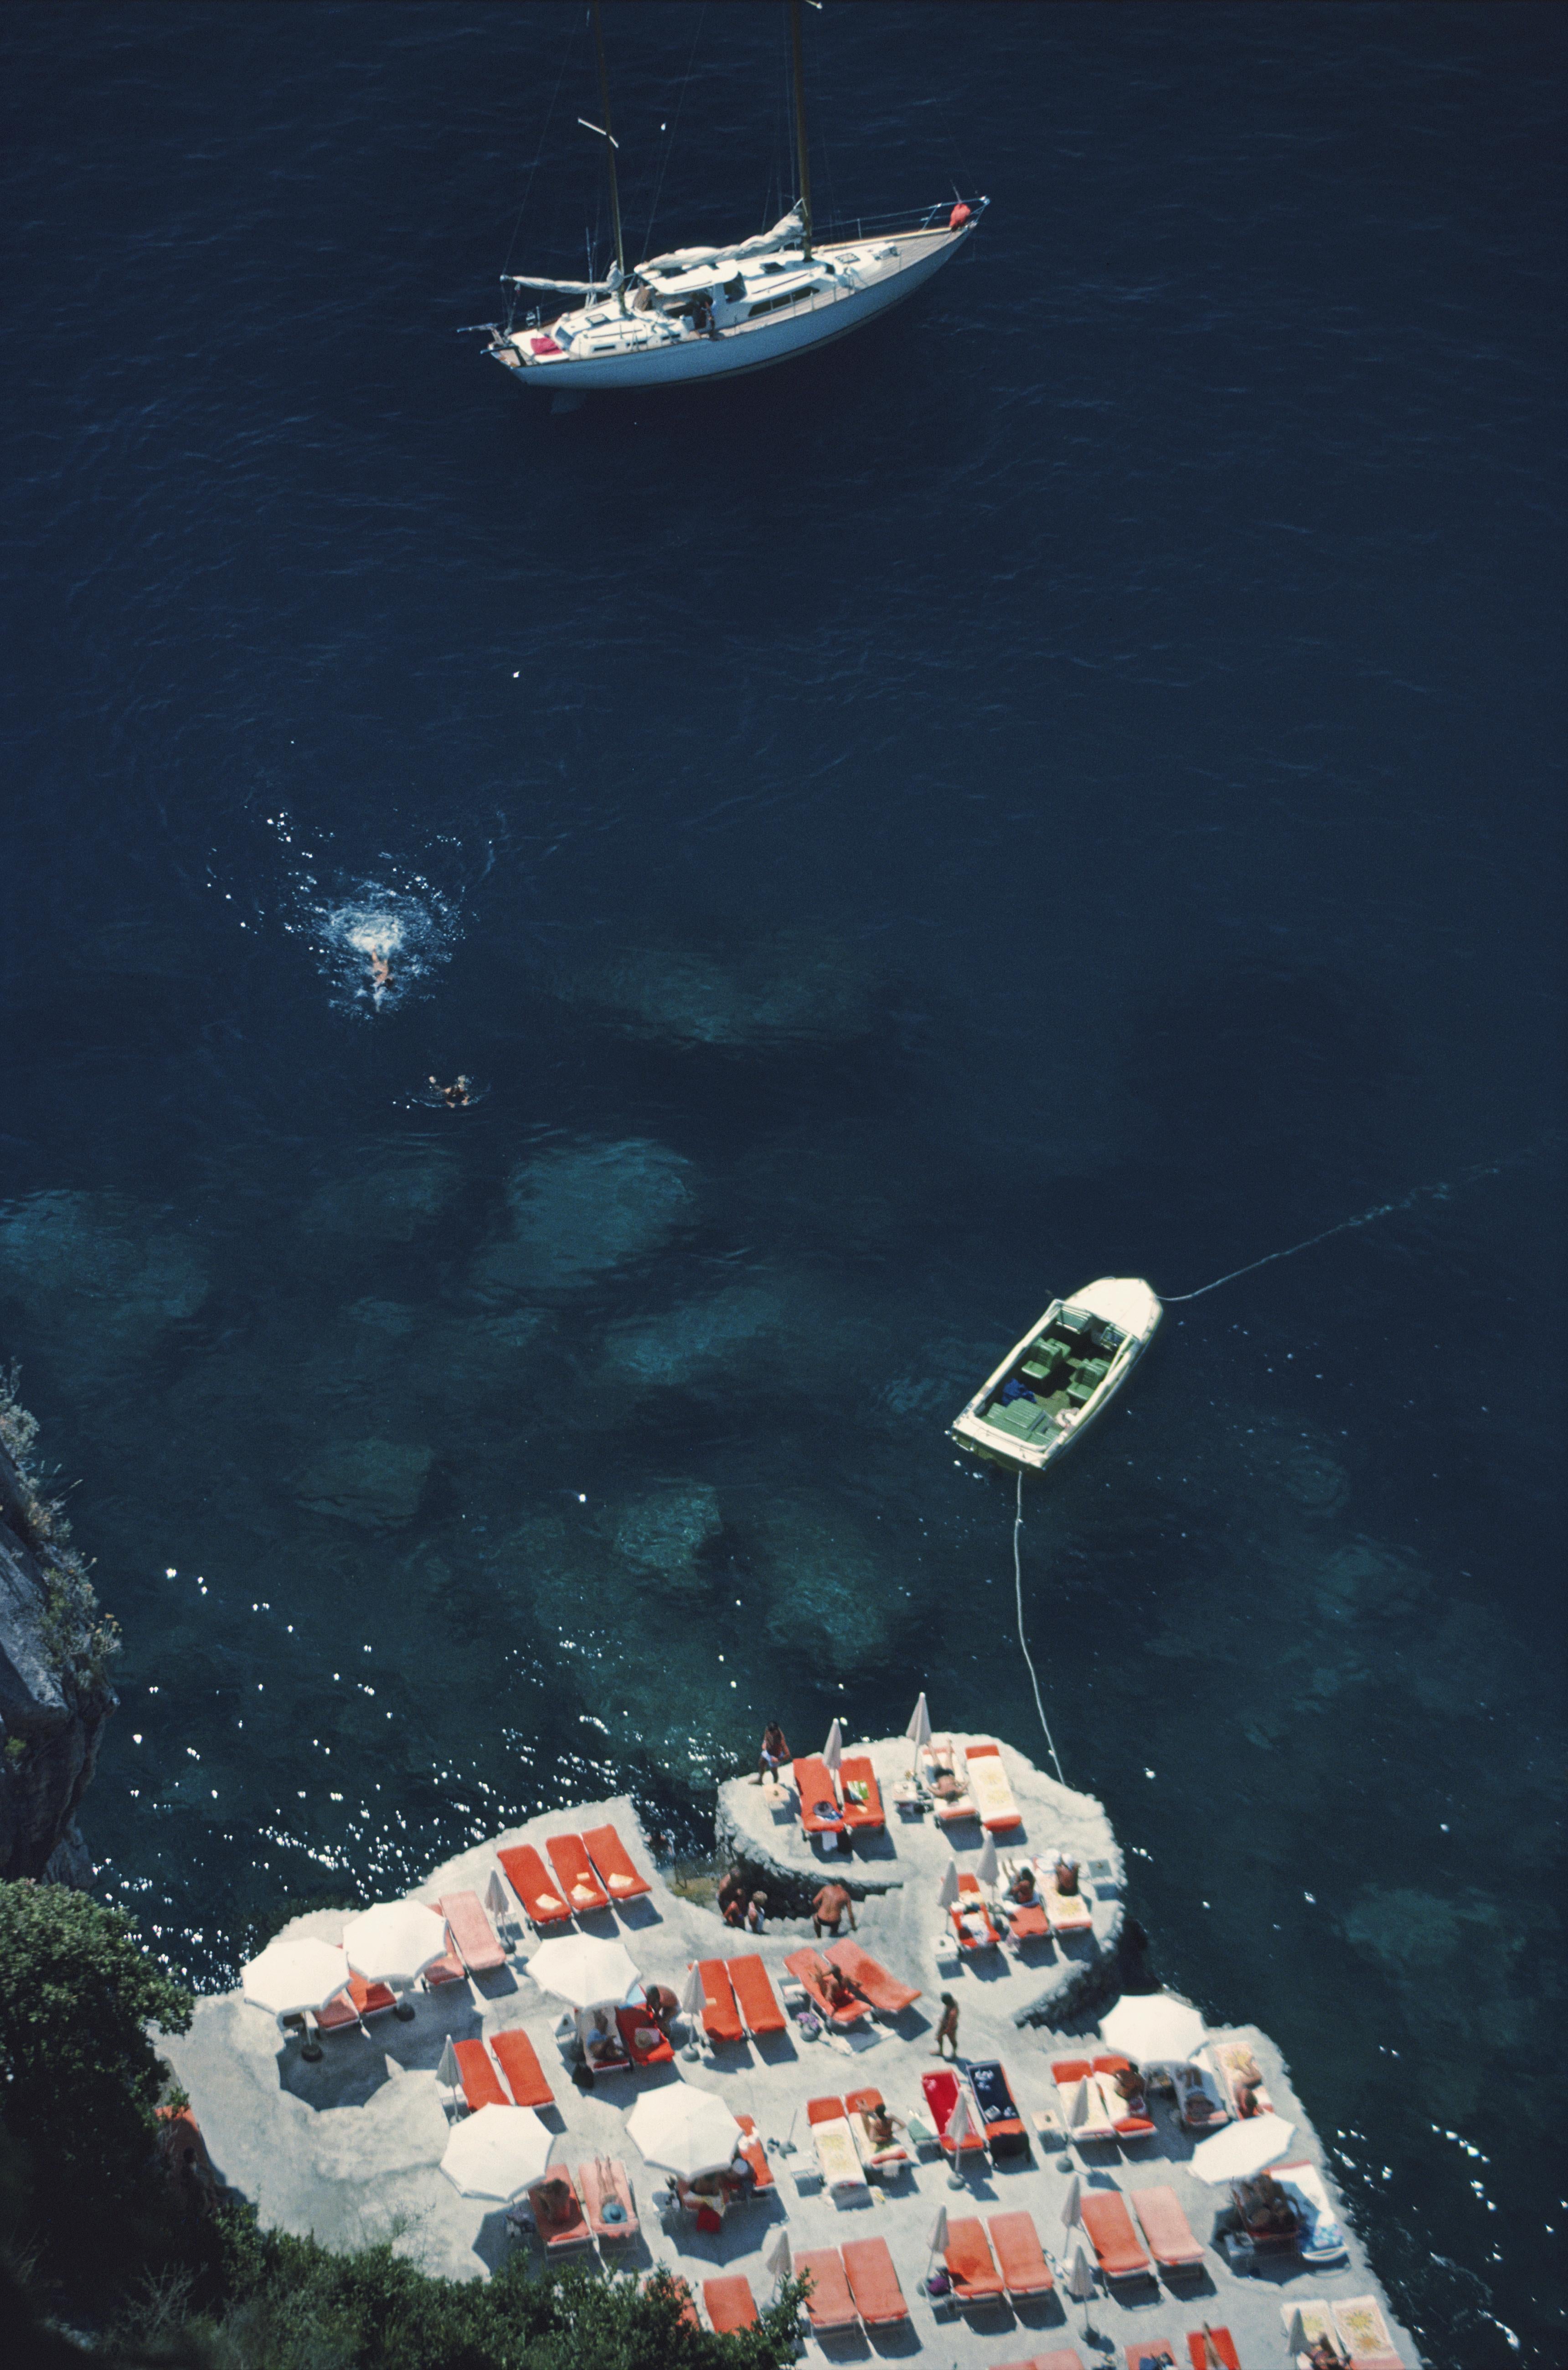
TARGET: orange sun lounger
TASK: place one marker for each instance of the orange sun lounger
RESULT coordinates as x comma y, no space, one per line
600,2180
755,1994
1171,2240
361,1999
1015,2242
533,1885
470,1933
969,2263
829,2303
857,2105
873,2282
886,1994
941,2097
1065,2357
482,2085
613,1864
731,2305
1151,2353
1132,2123
1027,1921
820,1813
806,1966
971,1919
575,1870
720,2016
862,1802
569,2227
519,2061
1074,2077
1223,2345
1108,2227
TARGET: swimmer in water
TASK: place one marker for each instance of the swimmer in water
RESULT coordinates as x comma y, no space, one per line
380,975
455,1096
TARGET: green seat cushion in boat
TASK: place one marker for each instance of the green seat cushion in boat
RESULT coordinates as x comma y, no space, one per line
1071,1320
1080,1388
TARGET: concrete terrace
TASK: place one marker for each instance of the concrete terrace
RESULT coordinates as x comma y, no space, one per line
350,2147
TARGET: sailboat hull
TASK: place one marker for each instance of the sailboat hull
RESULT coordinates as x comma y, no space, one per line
750,346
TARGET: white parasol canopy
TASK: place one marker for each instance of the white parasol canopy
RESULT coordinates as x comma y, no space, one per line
937,2236
987,1871
498,2153
448,2073
947,1891
497,1900
833,1751
1242,2147
1153,2027
683,2130
395,1943
960,2124
294,1973
692,1993
919,1729
776,2257
1081,2275
583,1969
1071,2202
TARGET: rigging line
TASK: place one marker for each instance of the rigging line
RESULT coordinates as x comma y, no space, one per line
1439,1192
675,127
528,185
1017,1590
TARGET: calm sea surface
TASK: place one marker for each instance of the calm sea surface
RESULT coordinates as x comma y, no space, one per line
1063,783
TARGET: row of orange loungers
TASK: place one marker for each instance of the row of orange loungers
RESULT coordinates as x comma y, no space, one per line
471,1949
1158,2350
849,2284
854,1803
594,2184
1001,2256
1093,2109
878,1991
1118,2250
591,1871
518,2060
738,1999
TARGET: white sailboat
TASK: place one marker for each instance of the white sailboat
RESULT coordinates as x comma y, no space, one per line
713,312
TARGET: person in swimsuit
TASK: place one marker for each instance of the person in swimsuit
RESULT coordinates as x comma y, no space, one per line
948,2029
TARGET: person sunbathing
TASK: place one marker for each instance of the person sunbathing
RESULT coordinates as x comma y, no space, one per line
554,2205
1067,1875
945,1786
1129,2085
881,2127
836,1989
1021,1889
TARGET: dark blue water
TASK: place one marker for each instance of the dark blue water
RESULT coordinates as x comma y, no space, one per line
1063,783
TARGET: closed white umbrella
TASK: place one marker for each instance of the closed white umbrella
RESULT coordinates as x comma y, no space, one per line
1080,2115
447,2073
683,2130
960,2127
692,1993
1071,2201
937,2236
498,1901
1241,2148
947,1891
919,1729
833,1751
1081,2275
395,1943
776,2257
500,2152
294,1974
582,1969
1153,2027
988,1871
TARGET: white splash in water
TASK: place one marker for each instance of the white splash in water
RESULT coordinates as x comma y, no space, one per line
381,941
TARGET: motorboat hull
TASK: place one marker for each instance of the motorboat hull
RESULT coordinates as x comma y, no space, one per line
1123,1306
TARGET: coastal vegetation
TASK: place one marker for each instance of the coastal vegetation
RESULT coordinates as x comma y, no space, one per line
117,2249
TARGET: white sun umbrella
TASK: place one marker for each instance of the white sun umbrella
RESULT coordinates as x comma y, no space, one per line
937,2236
1071,2202
692,1993
498,2153
395,1943
582,1969
1153,2027
683,2130
1241,2148
497,1900
776,2256
987,1871
1081,2275
919,1729
947,1891
1080,2115
448,2073
296,1974
833,1751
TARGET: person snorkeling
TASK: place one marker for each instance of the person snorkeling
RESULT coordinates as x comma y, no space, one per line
460,1092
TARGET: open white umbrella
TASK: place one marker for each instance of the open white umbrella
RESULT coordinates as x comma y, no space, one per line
947,1891
833,1751
1071,2202
919,1729
582,1969
683,2130
293,1975
395,1943
498,2153
988,1871
1241,2148
1152,2028
776,2257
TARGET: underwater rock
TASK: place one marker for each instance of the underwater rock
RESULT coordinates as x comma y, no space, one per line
376,1484
827,1594
666,1532
98,1275
698,1338
780,985
578,1210
387,1203
1366,1579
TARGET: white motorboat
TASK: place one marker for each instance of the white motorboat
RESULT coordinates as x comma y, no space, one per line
1066,1371
713,312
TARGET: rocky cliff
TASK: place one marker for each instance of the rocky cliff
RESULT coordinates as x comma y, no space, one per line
55,1647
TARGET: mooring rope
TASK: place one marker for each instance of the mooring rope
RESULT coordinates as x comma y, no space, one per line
1017,1590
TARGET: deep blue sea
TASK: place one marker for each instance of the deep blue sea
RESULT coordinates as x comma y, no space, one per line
1065,782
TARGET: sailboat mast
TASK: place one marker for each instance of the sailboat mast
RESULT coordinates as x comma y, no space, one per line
803,161
609,146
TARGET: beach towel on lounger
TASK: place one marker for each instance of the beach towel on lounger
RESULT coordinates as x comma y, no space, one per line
988,1784
861,1796
1238,2076
1164,2224
1131,2116
533,1885
519,2061
1069,1913
820,1813
1364,2333
834,2143
1080,2101
829,2303
873,2282
1322,2241
612,1865
1004,2133
1108,2227
969,2264
606,2190
470,1933
1021,2259
578,1882
1316,2320
941,1753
